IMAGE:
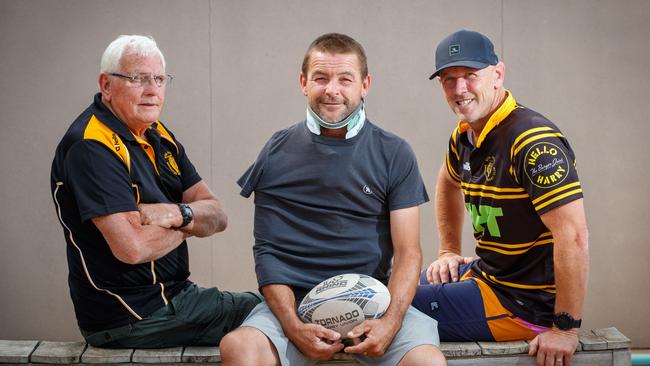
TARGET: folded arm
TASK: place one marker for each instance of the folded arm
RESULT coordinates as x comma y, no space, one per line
150,233
209,218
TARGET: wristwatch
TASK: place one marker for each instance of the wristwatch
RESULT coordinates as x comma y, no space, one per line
186,212
565,321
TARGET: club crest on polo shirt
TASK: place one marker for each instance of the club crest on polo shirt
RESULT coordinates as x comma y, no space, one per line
171,163
546,165
367,190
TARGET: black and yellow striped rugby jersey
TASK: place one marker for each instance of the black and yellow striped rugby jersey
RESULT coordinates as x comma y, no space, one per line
521,167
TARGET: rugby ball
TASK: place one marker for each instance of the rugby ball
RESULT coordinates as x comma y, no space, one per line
344,301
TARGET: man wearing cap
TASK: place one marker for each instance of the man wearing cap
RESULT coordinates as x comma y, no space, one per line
515,173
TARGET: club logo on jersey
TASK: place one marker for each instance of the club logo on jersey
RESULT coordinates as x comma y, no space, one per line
489,170
171,163
546,165
466,166
367,190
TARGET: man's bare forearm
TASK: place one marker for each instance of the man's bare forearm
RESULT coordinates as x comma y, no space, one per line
209,218
134,243
403,283
407,260
449,213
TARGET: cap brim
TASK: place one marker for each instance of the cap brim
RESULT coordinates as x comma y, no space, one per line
472,64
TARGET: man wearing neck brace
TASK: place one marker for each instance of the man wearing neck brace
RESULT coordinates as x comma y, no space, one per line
334,194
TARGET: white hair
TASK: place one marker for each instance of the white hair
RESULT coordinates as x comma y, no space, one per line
128,45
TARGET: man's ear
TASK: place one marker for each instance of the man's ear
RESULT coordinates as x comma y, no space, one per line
303,83
365,85
105,86
500,69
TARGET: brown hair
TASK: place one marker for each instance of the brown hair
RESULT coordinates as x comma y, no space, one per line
336,43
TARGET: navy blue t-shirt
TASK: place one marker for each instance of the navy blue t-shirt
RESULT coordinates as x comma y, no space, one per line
322,205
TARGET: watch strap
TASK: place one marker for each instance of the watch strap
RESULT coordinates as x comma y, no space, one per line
565,321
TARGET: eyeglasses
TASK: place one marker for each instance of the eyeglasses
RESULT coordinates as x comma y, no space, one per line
139,80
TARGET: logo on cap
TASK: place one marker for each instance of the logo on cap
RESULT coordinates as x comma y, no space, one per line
454,49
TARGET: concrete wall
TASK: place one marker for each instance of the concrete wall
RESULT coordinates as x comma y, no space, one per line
581,63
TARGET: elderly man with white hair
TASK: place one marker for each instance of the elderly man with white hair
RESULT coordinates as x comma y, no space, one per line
128,197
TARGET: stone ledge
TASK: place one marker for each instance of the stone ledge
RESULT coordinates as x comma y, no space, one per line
597,347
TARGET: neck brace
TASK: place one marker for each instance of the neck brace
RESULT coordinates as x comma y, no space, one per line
350,120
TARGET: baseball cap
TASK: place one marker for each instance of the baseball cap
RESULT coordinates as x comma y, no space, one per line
464,48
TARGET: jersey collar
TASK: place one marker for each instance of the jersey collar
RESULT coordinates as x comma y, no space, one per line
109,119
508,105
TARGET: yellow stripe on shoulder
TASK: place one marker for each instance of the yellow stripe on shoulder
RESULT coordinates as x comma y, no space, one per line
166,135
454,134
555,191
555,199
452,172
454,142
453,150
525,134
97,131
535,138
528,132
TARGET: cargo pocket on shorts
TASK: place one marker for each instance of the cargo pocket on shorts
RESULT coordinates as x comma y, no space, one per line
106,338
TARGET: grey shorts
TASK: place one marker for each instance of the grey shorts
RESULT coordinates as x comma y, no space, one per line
417,329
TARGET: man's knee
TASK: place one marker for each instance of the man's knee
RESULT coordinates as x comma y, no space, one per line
247,346
424,355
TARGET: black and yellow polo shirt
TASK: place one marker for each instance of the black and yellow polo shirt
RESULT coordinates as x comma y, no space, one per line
521,167
101,168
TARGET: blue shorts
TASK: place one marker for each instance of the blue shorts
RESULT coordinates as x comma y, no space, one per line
417,329
468,310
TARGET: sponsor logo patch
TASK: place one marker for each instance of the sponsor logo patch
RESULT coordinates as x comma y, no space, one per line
546,165
485,215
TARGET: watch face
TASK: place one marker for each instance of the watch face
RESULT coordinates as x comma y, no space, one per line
563,321
186,212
